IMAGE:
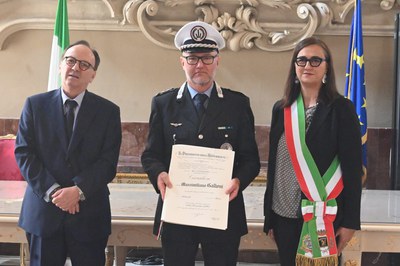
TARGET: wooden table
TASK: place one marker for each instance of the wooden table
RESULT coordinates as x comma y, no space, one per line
133,208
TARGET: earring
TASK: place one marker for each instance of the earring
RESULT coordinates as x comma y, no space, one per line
296,80
324,78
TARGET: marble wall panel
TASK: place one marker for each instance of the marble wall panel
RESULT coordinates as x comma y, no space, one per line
134,136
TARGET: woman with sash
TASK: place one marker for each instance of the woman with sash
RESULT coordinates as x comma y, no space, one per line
312,201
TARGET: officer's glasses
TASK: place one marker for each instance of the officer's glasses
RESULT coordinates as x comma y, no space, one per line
193,60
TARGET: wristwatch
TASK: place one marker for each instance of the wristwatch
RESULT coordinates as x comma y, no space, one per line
81,195
52,192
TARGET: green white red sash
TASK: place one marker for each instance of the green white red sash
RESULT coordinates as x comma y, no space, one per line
317,244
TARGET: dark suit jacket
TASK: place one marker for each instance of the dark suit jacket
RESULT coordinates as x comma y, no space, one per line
228,119
334,130
90,161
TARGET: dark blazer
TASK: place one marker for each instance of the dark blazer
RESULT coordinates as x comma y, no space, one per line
334,130
228,119
90,161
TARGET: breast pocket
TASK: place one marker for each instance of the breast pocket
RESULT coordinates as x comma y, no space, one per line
226,136
179,133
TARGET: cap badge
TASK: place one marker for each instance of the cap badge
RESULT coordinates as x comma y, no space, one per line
198,33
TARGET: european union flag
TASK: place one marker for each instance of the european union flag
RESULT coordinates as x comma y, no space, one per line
355,78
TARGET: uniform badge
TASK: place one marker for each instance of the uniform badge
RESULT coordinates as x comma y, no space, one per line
198,33
226,146
176,124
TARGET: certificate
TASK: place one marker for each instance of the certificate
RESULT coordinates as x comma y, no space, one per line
199,179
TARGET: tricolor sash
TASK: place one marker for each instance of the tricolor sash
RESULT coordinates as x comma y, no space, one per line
317,245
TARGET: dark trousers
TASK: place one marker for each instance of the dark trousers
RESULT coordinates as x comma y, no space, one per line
54,250
180,244
287,233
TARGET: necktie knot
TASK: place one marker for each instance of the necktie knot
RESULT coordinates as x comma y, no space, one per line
70,105
199,100
201,97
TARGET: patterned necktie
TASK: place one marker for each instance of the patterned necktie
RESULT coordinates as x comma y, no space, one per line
199,100
70,106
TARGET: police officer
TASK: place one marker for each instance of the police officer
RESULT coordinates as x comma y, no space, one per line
201,113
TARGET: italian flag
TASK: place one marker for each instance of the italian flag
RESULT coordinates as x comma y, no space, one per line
60,42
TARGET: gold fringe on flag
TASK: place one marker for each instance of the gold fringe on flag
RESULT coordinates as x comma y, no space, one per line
302,260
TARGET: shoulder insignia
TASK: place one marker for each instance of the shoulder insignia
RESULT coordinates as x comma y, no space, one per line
234,92
166,91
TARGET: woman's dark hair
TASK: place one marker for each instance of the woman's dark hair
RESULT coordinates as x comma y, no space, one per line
328,91
86,43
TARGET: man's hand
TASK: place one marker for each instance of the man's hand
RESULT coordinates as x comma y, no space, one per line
233,188
163,182
67,199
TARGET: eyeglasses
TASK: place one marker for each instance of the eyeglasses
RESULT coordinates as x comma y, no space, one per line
83,65
315,61
193,60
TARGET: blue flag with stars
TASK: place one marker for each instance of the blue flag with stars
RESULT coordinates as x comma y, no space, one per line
355,78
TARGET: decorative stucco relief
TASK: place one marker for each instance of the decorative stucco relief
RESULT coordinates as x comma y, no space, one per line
388,4
268,25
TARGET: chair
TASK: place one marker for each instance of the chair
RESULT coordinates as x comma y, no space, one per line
9,171
8,165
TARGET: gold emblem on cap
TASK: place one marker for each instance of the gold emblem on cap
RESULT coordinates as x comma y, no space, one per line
198,33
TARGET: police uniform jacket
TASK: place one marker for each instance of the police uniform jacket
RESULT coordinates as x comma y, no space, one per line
228,119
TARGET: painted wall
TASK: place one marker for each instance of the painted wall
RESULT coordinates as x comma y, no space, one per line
133,69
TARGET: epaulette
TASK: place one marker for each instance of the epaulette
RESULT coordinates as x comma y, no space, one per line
166,91
235,92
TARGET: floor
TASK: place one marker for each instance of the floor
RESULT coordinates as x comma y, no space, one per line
9,261
14,261
257,258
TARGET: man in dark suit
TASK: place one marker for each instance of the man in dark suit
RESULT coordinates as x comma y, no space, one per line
225,120
68,153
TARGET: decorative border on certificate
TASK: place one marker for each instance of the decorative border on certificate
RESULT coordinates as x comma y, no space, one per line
199,177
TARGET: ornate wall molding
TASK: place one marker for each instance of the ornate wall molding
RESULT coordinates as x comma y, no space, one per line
268,25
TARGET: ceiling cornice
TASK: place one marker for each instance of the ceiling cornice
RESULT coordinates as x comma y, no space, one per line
268,25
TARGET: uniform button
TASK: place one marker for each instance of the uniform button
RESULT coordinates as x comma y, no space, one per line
200,136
